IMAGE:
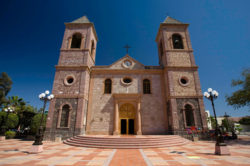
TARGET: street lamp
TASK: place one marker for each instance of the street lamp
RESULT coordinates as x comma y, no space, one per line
7,110
220,146
37,145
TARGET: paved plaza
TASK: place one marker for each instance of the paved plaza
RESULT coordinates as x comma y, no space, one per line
15,152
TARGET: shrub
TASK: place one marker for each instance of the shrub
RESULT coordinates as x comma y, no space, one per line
10,134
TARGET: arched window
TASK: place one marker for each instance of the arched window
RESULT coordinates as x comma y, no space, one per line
177,41
76,40
146,86
108,85
189,115
92,48
65,116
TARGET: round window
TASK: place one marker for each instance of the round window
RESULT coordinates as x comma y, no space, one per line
127,63
69,80
184,81
126,81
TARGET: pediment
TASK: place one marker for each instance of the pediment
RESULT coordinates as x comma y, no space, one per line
126,63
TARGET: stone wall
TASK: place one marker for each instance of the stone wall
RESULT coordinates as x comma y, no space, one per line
102,109
197,112
54,131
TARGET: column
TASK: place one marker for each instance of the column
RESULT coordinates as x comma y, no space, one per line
69,42
139,119
116,119
82,42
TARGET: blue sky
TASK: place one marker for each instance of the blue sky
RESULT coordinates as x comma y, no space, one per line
31,36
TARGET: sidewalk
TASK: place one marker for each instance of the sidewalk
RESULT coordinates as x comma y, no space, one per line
14,152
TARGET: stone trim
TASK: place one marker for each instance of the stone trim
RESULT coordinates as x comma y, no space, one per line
177,97
75,68
60,114
119,71
178,68
70,96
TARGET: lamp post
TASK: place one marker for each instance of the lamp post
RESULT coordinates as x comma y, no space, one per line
7,110
220,146
37,145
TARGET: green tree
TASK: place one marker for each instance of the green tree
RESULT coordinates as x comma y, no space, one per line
211,120
2,117
18,105
245,120
36,122
241,97
11,121
27,115
228,124
5,87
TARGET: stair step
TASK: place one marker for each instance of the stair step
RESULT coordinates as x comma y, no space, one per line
133,142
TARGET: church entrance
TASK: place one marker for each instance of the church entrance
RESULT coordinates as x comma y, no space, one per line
127,119
127,126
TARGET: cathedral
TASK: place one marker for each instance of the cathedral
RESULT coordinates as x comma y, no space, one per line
125,97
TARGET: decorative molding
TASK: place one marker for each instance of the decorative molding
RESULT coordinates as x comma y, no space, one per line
70,96
75,68
127,97
186,68
180,97
179,50
125,71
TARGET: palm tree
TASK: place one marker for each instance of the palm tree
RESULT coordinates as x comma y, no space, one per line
18,105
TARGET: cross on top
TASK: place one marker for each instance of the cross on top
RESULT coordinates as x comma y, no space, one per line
127,47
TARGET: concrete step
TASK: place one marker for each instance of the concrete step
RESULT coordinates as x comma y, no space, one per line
133,142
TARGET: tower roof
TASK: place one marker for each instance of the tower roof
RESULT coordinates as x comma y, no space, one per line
170,20
83,19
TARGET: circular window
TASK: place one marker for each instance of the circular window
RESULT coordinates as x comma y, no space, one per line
184,81
69,80
126,81
127,63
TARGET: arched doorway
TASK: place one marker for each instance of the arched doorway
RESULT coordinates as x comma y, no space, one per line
127,119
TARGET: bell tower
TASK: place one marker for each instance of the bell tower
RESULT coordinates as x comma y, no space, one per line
67,112
184,98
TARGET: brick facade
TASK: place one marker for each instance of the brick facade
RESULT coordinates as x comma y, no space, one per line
80,84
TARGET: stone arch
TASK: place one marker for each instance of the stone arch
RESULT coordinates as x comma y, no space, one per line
64,115
107,86
189,115
177,41
76,40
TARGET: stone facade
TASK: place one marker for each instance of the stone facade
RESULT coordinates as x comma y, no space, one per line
129,106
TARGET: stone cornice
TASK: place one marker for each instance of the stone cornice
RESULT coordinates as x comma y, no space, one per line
179,50
182,97
74,50
76,68
178,68
121,71
68,96
127,96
